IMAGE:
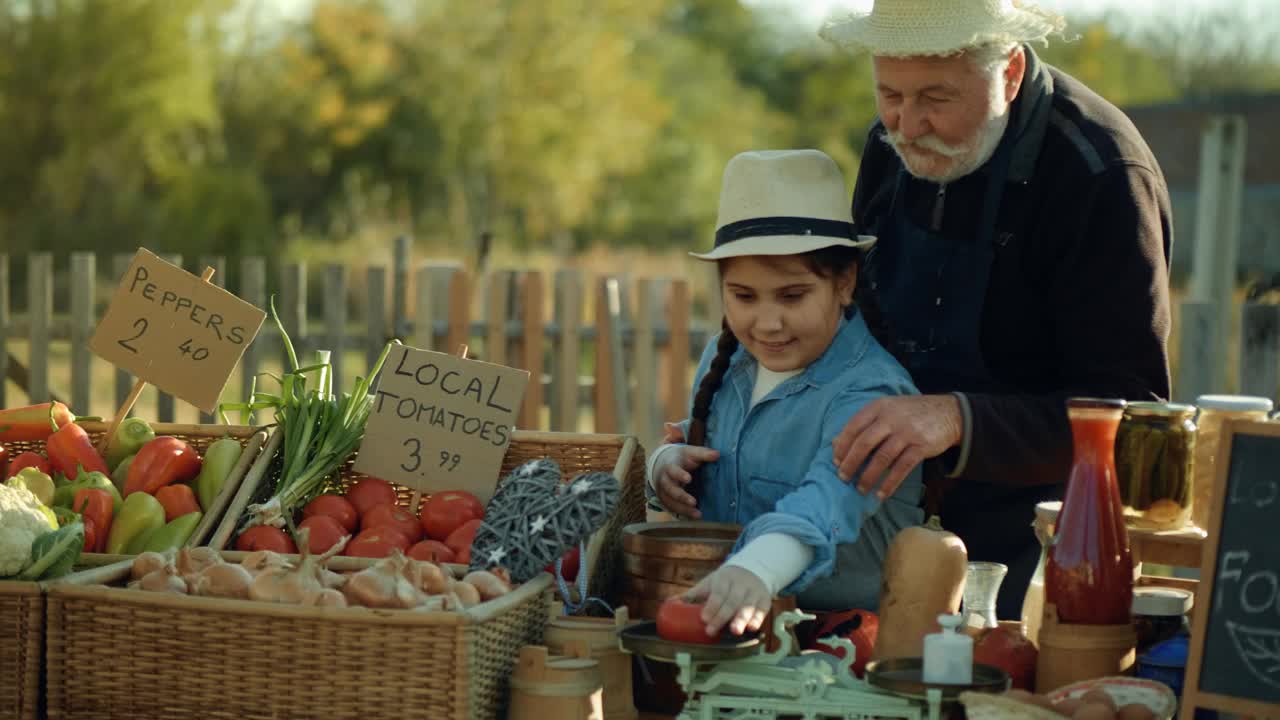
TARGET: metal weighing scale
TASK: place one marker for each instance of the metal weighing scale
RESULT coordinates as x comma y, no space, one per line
734,680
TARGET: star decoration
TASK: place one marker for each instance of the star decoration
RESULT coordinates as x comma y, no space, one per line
496,555
581,486
538,524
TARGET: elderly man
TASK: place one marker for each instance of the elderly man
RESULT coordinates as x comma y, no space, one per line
1023,256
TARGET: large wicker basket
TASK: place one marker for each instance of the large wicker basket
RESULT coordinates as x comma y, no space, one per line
22,603
22,644
198,437
576,453
175,657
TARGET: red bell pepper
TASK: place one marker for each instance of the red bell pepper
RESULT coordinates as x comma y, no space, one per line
31,423
26,460
70,450
94,505
177,500
161,462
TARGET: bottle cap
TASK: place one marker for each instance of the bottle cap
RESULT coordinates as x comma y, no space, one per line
1234,403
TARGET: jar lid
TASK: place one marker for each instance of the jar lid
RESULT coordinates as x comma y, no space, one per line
1089,403
1234,403
1048,510
1161,601
1159,409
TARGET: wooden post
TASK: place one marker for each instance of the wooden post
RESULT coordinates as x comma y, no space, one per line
4,326
1260,350
677,390
497,294
40,310
120,263
568,320
532,345
1197,373
400,287
83,265
292,309
335,319
610,375
253,289
1217,237
459,328
375,315
646,424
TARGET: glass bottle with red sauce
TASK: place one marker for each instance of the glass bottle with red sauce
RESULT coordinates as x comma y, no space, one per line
1089,574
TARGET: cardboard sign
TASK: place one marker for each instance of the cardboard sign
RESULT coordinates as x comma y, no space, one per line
1234,658
175,331
440,422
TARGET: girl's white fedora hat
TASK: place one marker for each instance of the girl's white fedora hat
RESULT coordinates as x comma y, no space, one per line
782,202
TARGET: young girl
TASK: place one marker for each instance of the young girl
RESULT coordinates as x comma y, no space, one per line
793,363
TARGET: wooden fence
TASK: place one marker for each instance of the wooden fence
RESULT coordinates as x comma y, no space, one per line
621,349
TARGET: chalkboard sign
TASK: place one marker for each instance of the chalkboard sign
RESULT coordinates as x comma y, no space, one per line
1234,664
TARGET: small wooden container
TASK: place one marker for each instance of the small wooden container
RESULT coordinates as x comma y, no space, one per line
1071,653
597,638
546,686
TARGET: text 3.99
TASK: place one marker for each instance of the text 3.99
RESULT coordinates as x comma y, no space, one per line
447,458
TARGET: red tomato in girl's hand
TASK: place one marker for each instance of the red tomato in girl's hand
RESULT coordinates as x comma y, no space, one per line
370,492
389,515
336,507
325,533
459,541
432,551
377,543
447,511
266,537
681,621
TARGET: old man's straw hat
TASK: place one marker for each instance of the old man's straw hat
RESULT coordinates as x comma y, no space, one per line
782,202
906,28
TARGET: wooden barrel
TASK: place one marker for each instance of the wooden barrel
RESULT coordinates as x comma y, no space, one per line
544,686
667,558
597,638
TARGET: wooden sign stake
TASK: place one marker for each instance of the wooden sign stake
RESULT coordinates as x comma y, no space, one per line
133,394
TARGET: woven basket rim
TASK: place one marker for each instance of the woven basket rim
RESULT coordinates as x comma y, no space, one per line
92,585
986,705
194,429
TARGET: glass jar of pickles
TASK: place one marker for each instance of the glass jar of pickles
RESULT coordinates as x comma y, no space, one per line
1214,410
1155,450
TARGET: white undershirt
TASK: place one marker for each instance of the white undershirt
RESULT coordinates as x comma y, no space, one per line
776,558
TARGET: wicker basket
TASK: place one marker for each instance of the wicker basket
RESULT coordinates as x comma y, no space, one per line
198,437
574,452
22,644
175,657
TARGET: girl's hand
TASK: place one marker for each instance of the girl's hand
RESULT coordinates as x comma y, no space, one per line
672,474
733,596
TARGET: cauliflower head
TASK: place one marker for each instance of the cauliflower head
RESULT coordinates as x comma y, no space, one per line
22,520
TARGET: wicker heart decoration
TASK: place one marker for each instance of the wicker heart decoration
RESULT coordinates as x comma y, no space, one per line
533,518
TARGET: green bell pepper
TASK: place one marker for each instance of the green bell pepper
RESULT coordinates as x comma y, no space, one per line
64,495
33,479
174,535
141,513
130,436
219,459
121,472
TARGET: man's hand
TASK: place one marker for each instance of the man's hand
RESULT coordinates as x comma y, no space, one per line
895,434
671,433
673,473
734,596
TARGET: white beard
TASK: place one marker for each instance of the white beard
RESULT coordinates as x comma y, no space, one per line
964,158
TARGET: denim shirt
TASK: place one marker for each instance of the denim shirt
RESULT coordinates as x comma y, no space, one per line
777,474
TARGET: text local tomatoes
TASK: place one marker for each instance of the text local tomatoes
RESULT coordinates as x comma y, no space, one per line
681,621
447,511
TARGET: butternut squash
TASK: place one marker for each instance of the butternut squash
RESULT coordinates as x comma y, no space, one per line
923,577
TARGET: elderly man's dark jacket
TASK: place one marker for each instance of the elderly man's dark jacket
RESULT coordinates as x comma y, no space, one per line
1077,303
